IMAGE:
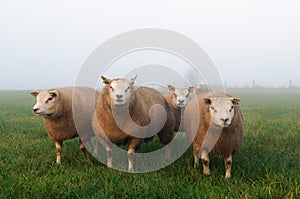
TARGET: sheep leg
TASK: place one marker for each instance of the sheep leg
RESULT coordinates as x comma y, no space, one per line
134,144
82,147
109,157
107,146
228,163
130,159
108,149
104,142
168,152
58,145
196,149
165,136
205,162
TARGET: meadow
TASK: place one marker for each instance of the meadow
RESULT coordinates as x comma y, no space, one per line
268,165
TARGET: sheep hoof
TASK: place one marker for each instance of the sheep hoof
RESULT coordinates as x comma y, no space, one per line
131,170
109,165
227,176
206,172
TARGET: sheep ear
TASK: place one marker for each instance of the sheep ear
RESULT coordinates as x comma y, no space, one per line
171,88
132,80
207,101
53,93
105,80
34,93
236,101
191,89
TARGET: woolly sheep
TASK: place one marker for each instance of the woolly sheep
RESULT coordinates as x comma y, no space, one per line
177,99
201,88
122,117
55,106
218,128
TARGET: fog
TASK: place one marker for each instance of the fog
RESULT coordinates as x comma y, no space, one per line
44,44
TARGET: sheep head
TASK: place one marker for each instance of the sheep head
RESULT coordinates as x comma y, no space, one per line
120,90
45,102
181,96
222,110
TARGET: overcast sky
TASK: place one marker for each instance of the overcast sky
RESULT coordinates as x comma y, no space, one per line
43,44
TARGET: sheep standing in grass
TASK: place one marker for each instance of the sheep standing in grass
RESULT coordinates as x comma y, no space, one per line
177,99
127,115
218,127
55,106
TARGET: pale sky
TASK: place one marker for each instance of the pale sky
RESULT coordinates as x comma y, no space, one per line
43,44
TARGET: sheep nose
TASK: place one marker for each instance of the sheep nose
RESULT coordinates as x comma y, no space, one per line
180,101
225,120
35,109
119,96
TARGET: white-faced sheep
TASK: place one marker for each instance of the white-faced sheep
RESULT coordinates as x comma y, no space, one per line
55,106
218,128
177,99
125,115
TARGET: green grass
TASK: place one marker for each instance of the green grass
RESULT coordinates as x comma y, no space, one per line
268,165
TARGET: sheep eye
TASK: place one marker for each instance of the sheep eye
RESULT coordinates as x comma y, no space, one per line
127,89
174,95
111,88
212,108
49,99
231,108
187,95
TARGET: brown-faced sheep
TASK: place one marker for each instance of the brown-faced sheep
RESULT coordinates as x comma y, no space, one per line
123,115
216,120
60,107
177,99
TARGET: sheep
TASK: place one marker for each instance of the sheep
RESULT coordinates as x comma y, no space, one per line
126,114
177,99
66,112
214,122
201,88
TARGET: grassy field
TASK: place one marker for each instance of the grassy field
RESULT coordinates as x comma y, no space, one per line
268,165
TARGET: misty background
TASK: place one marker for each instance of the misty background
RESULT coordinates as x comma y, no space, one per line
43,44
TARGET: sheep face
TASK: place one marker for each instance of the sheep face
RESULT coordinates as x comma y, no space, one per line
181,96
120,90
46,102
221,110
